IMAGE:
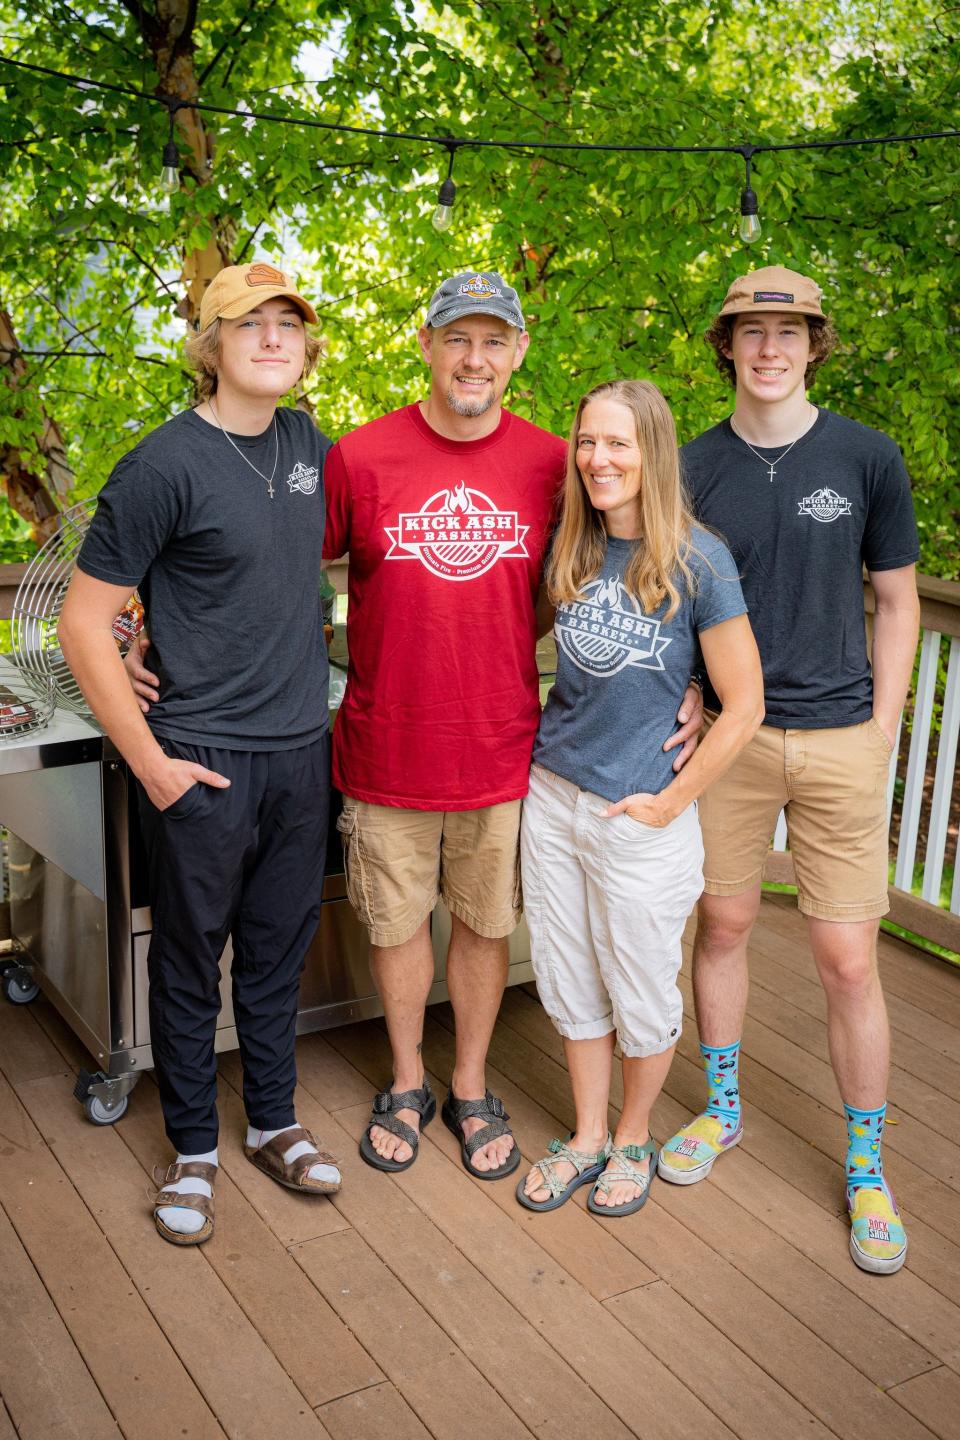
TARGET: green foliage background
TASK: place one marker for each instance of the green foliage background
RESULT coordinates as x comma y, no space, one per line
622,258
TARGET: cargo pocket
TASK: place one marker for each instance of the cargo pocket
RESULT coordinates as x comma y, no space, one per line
518,886
353,863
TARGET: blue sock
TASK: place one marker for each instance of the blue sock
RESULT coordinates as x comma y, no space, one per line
722,1064
864,1164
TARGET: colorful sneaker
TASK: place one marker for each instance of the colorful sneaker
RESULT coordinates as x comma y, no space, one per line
878,1241
689,1156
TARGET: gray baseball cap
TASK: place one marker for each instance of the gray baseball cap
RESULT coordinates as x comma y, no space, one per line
475,292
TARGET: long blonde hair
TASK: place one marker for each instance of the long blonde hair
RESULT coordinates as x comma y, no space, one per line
660,558
203,356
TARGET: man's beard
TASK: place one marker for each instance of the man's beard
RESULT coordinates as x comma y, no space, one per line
470,409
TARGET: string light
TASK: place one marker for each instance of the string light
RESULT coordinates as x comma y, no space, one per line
749,226
447,195
170,174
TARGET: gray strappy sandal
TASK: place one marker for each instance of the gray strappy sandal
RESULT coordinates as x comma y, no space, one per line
384,1107
490,1110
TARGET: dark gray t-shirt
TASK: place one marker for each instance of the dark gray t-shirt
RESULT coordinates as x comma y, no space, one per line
840,500
621,674
229,578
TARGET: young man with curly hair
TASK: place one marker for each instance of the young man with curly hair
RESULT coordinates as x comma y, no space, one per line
805,499
218,518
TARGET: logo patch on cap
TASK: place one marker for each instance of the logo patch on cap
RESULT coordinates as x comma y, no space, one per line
764,297
479,289
261,274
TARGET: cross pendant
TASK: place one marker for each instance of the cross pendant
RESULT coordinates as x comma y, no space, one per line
270,487
772,473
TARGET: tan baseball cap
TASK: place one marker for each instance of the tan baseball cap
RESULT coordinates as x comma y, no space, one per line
239,288
773,288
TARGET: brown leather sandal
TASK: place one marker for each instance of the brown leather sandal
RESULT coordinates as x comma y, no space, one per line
294,1173
188,1170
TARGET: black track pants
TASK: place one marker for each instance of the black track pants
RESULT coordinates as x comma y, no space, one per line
247,862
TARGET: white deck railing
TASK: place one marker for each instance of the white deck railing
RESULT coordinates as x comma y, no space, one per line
930,913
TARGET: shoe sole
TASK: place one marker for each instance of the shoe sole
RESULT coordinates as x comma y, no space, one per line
179,1237
872,1265
692,1177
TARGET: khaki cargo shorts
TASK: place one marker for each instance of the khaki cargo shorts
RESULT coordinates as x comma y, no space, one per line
399,863
832,785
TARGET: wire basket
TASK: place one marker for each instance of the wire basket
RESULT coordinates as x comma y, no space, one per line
19,716
36,614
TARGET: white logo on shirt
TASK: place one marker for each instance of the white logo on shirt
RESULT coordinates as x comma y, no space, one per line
824,505
303,477
605,630
457,534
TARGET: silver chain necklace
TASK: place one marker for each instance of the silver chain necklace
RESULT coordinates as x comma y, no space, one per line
276,450
770,464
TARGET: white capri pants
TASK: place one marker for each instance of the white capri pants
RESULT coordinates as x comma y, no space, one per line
606,902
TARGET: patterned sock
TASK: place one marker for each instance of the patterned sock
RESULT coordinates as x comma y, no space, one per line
721,1065
864,1162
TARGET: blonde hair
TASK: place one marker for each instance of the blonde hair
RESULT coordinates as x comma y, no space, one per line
665,519
203,357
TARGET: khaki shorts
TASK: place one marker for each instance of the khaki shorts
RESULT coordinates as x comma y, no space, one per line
399,863
833,786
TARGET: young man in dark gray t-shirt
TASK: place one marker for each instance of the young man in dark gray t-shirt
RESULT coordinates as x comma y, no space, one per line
805,499
218,518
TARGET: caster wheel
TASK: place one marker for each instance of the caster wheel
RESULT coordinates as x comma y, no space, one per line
100,1113
19,988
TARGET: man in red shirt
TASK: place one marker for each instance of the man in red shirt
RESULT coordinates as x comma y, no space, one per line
446,508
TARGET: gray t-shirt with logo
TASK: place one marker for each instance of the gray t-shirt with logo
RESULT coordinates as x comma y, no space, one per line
229,577
621,674
838,501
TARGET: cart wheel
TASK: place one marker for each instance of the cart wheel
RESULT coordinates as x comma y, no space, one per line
100,1113
19,988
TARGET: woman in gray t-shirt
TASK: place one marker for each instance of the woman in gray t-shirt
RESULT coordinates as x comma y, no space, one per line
611,850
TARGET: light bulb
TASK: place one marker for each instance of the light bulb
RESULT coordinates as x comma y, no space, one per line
170,174
750,228
443,214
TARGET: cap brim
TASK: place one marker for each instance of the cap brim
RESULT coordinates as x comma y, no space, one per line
772,306
250,302
456,311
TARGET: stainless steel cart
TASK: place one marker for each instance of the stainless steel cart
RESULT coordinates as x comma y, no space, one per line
81,923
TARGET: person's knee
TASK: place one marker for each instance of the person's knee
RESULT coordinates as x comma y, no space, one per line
724,922
845,972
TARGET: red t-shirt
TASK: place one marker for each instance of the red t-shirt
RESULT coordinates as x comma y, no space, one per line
446,542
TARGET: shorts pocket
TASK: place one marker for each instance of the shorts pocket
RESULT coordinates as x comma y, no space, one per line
874,724
638,828
353,862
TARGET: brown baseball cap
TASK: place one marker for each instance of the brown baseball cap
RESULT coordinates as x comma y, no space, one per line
237,289
774,288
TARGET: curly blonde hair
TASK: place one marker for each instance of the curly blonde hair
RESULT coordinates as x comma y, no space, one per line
203,356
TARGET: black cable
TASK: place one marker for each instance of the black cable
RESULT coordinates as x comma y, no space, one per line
470,142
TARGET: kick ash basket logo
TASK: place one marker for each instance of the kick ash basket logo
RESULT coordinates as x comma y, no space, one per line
458,535
303,477
824,505
605,631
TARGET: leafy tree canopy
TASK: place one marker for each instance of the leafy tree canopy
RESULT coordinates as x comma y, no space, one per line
622,258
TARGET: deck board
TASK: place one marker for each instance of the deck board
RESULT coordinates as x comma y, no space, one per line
429,1304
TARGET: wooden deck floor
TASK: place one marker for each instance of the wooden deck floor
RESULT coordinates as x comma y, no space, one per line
430,1304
